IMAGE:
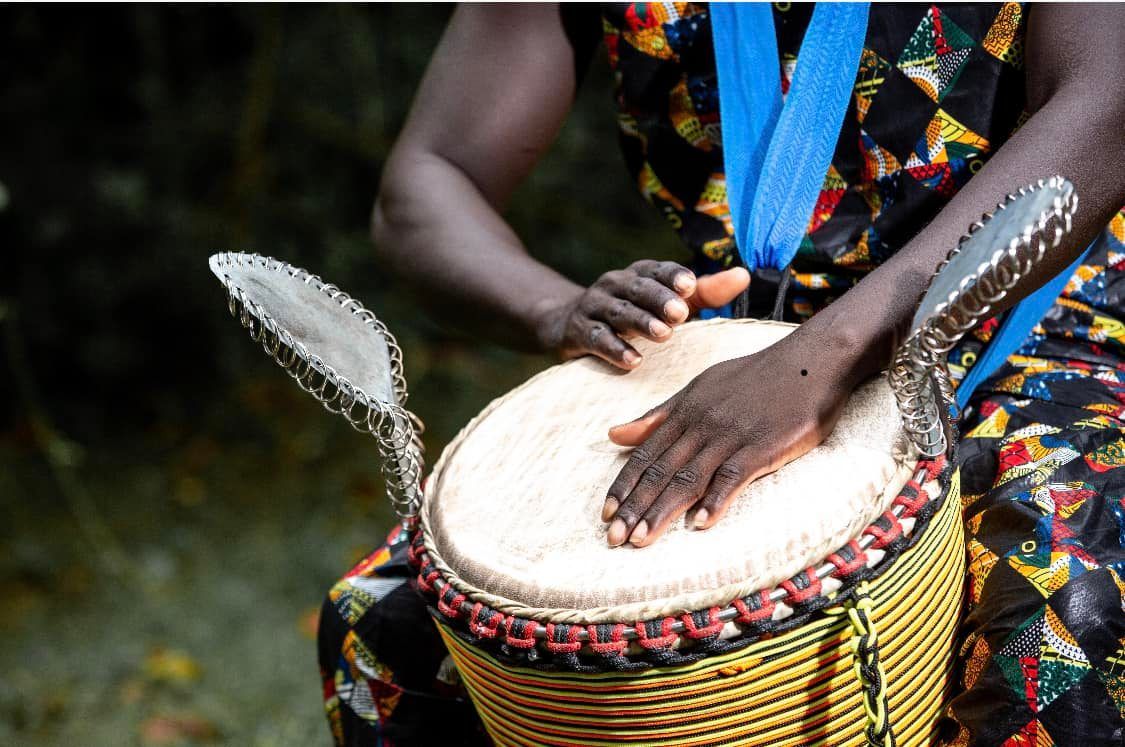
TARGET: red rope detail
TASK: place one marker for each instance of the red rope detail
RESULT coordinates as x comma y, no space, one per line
486,629
747,615
664,640
426,582
934,467
615,645
714,625
571,645
796,596
884,537
846,567
526,639
913,505
452,609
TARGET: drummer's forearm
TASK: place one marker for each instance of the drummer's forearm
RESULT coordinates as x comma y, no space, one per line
1075,131
433,227
496,92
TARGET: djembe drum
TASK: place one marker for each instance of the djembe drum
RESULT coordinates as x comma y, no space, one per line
820,610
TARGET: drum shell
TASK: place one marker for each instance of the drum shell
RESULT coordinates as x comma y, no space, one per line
798,687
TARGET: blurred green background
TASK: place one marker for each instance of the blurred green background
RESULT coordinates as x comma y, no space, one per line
172,508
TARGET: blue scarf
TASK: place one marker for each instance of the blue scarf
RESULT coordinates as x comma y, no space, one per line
776,154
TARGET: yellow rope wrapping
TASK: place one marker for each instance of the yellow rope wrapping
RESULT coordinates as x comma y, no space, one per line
840,680
867,667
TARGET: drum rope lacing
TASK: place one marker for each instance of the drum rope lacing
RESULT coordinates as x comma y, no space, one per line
867,666
396,430
918,375
790,604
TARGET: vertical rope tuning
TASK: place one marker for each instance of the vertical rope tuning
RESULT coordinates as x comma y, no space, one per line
867,667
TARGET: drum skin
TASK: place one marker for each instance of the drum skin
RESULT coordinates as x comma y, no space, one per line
797,688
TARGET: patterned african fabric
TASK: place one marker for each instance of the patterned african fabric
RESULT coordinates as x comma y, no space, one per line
387,678
1043,488
938,89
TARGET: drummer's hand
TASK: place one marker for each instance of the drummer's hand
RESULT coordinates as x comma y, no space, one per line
646,299
735,422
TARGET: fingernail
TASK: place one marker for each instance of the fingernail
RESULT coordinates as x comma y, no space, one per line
631,358
610,508
683,282
616,534
659,329
701,517
639,533
675,310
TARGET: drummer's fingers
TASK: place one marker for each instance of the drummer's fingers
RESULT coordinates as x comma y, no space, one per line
729,478
625,317
719,289
681,492
628,521
646,452
669,274
662,301
598,338
636,431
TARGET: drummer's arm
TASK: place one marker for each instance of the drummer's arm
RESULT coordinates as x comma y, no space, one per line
496,92
745,418
493,99
1076,99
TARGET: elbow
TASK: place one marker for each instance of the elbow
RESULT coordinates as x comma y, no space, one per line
380,227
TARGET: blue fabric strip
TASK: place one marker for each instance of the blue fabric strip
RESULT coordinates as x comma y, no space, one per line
1015,328
776,156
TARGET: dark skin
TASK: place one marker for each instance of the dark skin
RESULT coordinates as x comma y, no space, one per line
480,123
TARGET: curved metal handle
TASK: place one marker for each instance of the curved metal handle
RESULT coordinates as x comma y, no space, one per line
999,250
396,430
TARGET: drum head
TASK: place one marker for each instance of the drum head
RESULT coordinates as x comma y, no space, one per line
512,512
334,329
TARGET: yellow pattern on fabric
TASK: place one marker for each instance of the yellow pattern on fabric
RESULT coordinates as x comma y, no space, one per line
681,112
994,426
1004,39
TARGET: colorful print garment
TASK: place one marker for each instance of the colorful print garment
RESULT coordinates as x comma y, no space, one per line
939,88
1043,487
386,675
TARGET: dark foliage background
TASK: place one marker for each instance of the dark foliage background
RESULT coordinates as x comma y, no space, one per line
172,509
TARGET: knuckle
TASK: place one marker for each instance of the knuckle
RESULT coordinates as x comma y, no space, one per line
729,473
686,478
618,310
596,333
715,418
656,474
642,264
612,279
641,457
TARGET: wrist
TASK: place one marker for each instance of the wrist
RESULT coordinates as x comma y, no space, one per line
547,319
847,346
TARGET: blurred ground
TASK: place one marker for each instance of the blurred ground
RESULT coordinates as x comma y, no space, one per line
171,508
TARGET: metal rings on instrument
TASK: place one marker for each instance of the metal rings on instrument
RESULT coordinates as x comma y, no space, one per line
397,431
918,374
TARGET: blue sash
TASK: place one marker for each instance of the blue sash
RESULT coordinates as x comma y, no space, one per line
776,155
